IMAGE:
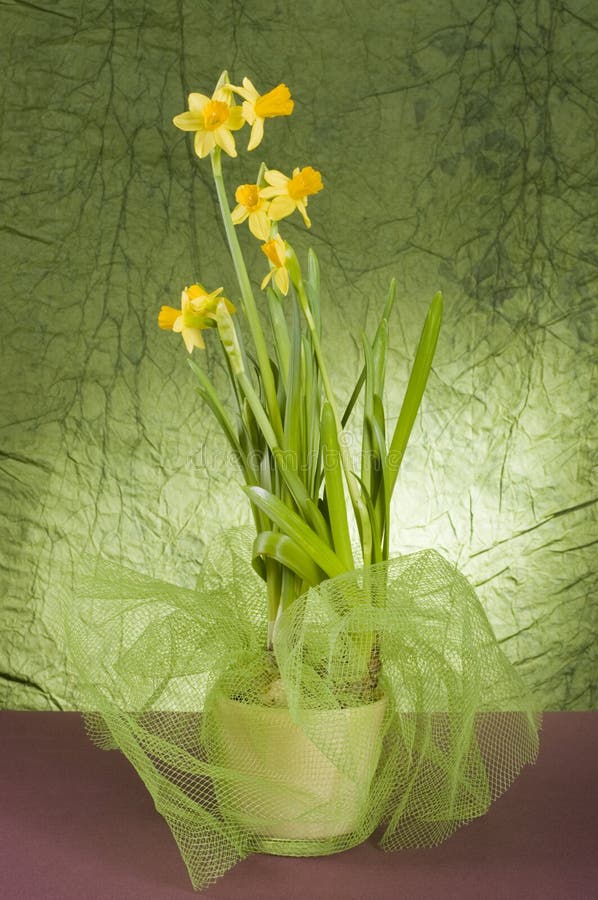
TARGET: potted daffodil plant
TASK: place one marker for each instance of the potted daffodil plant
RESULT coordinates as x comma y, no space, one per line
319,514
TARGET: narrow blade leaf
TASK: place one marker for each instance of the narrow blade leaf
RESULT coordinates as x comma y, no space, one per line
278,546
282,343
335,494
392,293
294,526
415,388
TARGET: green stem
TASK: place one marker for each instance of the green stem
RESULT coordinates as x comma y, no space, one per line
273,586
249,304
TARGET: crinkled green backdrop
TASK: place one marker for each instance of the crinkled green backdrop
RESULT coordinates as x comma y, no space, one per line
458,147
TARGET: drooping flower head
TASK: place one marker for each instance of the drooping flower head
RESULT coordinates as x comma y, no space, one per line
290,193
213,119
197,312
276,252
257,107
254,208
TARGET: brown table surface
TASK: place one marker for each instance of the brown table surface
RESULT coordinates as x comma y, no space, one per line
76,823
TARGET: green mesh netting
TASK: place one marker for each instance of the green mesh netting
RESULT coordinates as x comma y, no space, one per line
386,704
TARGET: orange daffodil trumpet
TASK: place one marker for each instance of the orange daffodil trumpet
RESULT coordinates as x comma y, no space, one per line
197,312
254,208
258,107
276,251
291,193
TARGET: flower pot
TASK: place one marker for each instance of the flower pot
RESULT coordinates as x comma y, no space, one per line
294,795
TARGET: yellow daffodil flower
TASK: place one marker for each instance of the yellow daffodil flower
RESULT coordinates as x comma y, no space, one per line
290,193
254,208
213,119
197,312
276,252
257,107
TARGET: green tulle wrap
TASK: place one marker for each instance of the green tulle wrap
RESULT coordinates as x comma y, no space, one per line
319,744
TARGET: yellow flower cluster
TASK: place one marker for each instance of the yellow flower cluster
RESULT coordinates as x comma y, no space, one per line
214,119
262,206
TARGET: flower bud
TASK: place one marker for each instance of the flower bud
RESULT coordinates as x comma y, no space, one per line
292,264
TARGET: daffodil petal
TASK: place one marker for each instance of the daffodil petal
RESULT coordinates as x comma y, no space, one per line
281,206
235,118
204,142
250,88
188,339
243,92
259,225
224,139
188,121
248,112
281,278
239,214
266,279
257,133
178,325
196,102
275,178
301,207
268,192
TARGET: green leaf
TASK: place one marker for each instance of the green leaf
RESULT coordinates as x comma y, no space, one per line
317,521
266,472
381,499
252,433
379,348
367,449
376,538
290,588
207,392
312,285
295,527
272,574
378,434
392,292
312,401
353,398
278,546
290,477
282,343
294,407
244,446
335,494
415,389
